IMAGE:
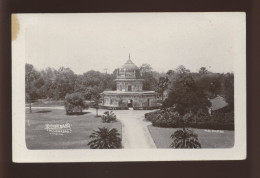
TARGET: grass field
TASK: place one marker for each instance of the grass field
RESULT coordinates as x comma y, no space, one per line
46,103
82,125
161,137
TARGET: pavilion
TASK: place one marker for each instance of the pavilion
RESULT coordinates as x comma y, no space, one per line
129,92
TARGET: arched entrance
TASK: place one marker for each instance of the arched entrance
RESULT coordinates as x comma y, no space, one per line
130,103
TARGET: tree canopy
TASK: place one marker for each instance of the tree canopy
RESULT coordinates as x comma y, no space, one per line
55,84
189,91
186,96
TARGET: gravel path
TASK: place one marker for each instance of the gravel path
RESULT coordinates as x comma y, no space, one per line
134,129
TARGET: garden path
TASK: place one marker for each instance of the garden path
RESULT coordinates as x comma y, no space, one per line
135,133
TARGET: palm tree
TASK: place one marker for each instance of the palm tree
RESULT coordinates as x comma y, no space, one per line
104,138
185,138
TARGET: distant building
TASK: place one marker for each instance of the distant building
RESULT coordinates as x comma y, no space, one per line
217,104
165,94
129,93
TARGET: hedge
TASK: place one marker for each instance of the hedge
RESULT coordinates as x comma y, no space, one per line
220,121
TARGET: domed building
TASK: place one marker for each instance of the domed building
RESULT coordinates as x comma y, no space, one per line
129,93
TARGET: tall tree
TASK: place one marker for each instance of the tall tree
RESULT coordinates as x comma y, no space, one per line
229,89
48,90
210,84
149,83
145,68
96,102
64,82
162,85
170,72
181,70
30,76
186,96
82,85
94,82
203,70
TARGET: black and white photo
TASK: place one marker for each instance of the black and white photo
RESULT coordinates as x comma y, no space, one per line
129,87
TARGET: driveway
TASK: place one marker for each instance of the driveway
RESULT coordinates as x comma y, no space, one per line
135,133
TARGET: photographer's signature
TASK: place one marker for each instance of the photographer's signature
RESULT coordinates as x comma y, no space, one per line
58,129
216,131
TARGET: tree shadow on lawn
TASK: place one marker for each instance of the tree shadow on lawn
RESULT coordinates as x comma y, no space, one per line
44,111
78,113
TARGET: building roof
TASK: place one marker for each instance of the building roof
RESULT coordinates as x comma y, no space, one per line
128,79
129,66
218,103
129,93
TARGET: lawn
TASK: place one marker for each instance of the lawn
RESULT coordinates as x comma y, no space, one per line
161,137
46,103
37,137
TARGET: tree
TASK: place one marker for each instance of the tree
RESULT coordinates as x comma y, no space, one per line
74,103
93,78
162,85
186,96
229,89
203,70
170,72
96,101
210,84
104,138
145,68
185,138
94,82
64,82
48,90
181,70
149,82
30,76
87,90
108,82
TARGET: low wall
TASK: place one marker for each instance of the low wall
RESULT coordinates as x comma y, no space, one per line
126,108
146,108
113,108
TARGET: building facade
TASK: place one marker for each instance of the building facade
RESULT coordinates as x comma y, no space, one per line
129,93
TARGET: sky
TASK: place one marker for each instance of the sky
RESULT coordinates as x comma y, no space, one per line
101,41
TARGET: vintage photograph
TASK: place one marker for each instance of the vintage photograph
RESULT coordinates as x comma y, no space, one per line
122,81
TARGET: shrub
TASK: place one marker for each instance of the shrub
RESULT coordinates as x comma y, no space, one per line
74,103
169,118
185,138
109,116
218,121
104,138
165,118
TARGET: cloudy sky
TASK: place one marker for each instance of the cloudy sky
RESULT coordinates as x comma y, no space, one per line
165,40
